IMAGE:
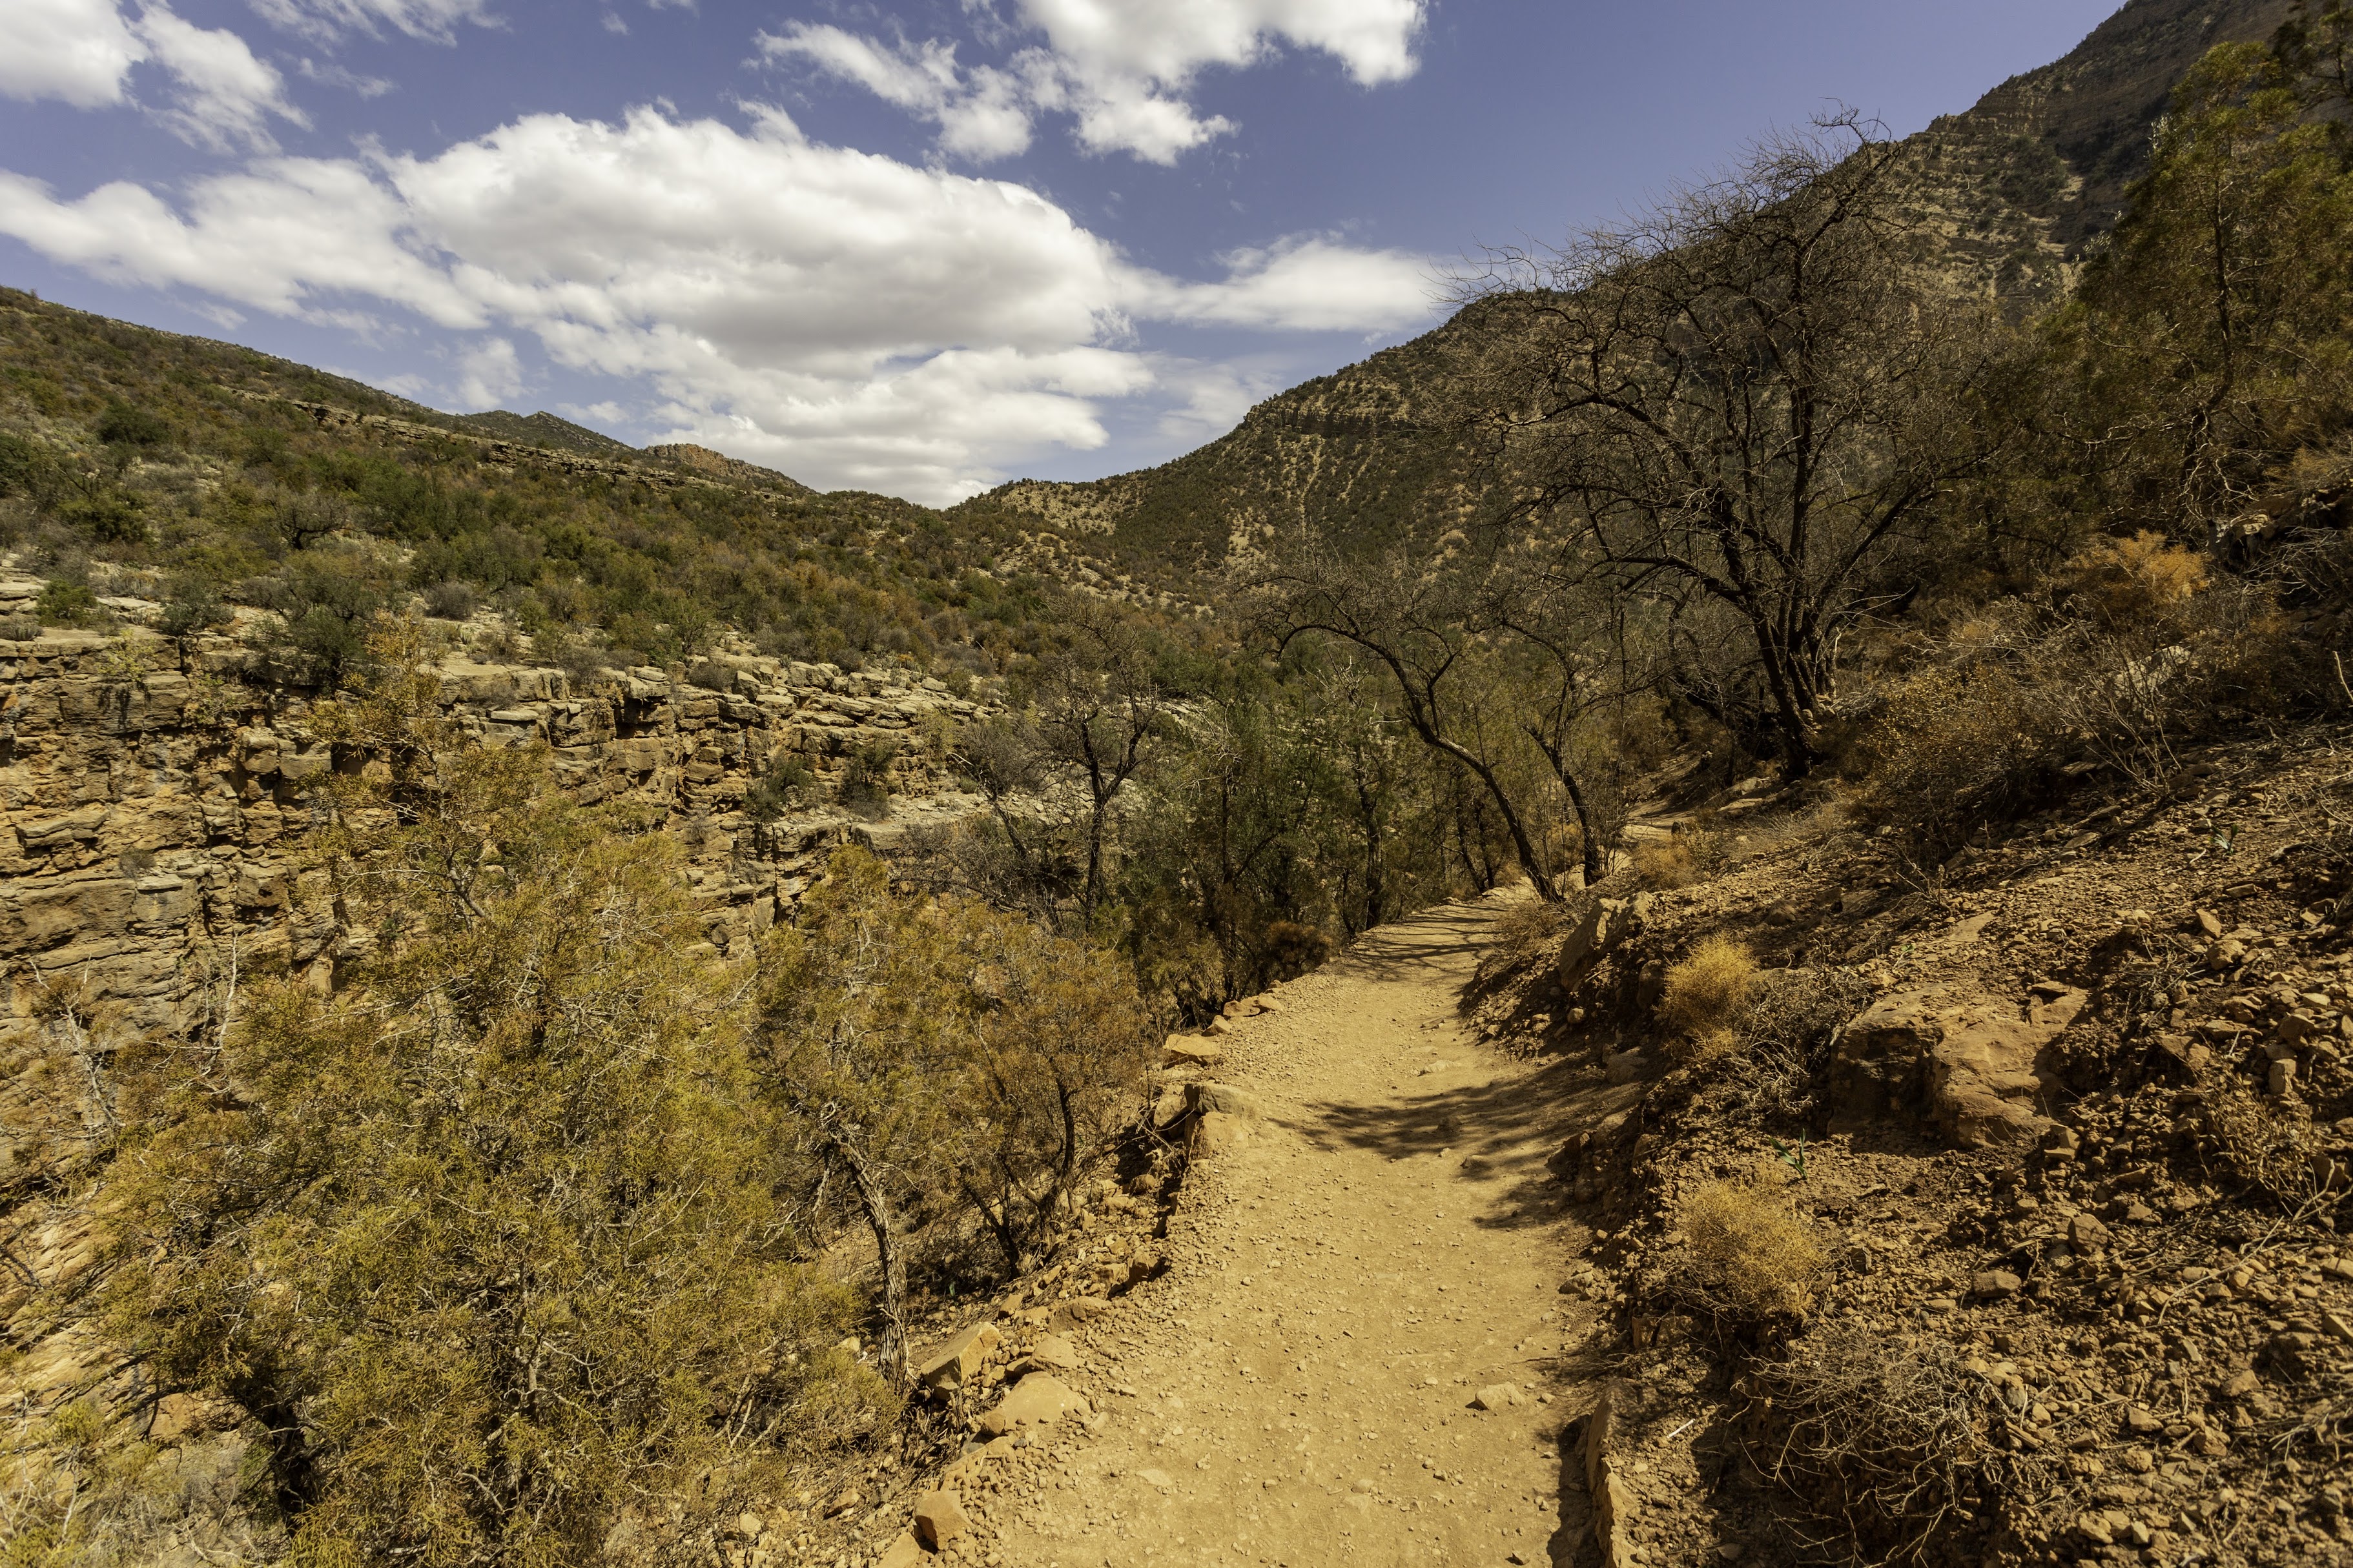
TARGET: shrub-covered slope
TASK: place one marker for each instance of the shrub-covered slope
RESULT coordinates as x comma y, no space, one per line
143,464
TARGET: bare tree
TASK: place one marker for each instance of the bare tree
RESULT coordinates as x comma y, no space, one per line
1095,714
1574,658
1754,391
1420,616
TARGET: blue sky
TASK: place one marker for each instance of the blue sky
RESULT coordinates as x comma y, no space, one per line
912,245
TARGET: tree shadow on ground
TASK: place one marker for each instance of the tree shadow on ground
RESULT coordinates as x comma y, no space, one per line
1441,940
1509,1127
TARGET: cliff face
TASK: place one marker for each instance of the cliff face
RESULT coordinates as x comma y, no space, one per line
154,813
2095,108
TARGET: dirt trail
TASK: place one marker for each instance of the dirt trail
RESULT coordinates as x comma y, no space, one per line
1297,1388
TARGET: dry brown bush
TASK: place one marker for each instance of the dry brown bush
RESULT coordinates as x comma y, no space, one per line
2132,650
1953,749
1783,1039
1749,1251
1882,1442
1666,864
2130,582
1523,931
2251,1142
1707,992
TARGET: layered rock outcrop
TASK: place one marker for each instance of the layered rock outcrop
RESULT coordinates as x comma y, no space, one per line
154,801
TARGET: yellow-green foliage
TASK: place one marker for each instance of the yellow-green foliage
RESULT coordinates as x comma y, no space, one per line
1706,993
487,1234
1750,1248
924,1052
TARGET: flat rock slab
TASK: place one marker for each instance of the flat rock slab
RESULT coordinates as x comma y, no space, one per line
1038,1400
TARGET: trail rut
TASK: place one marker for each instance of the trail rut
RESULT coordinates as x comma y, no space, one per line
1298,1387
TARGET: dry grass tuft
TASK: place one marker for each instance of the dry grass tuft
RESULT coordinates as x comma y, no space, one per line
1523,931
1750,1250
1666,864
1707,993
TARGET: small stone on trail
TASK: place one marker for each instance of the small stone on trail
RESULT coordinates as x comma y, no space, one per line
1495,1397
1079,1310
1223,1099
1037,1400
842,1504
940,1519
1160,1478
1055,1352
1191,1050
904,1553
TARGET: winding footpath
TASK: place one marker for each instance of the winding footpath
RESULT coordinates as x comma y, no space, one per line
1374,1260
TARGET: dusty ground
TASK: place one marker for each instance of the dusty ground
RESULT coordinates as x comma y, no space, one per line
1298,1387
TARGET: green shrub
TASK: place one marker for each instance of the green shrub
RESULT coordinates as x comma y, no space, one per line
23,466
450,600
191,605
488,1236
110,516
128,424
787,784
67,604
327,605
866,782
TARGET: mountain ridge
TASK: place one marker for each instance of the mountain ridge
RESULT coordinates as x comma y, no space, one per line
2017,187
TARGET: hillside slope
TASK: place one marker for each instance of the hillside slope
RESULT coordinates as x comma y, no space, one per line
2015,187
143,464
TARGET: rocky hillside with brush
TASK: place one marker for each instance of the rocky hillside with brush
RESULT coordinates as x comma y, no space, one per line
2047,1152
1773,990
2010,190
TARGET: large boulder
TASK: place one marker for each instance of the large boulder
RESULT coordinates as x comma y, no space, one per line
1968,1063
1601,924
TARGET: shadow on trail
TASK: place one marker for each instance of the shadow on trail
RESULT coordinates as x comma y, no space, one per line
1507,1129
1441,940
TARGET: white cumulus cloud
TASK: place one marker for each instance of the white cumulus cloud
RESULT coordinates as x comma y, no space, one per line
82,52
1124,69
78,51
491,372
852,319
226,96
1306,283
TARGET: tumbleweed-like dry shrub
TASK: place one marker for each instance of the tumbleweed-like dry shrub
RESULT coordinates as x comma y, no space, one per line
1523,931
1882,1442
1749,1251
1953,749
1679,862
1707,992
1784,1040
2130,582
2249,1139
